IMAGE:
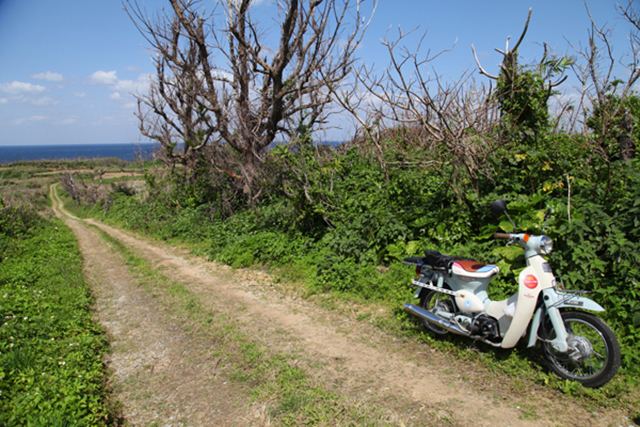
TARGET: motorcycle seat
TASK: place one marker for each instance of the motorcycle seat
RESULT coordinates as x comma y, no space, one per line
475,269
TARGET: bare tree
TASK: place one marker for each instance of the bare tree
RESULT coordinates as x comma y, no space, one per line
605,112
91,193
173,111
246,90
509,63
455,118
517,85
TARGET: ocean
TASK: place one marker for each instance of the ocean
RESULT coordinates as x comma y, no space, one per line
129,152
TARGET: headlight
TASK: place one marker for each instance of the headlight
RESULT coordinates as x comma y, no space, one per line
546,245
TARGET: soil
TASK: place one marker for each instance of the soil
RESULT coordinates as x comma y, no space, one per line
165,375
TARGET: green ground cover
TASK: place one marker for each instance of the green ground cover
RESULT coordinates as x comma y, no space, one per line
50,347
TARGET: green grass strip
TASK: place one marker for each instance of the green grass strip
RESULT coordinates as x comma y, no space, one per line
51,372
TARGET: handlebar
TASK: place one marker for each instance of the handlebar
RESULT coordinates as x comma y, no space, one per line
505,236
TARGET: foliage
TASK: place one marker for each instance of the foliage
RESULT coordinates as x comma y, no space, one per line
613,119
524,99
50,347
16,222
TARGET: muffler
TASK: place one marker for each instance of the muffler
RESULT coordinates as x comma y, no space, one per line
436,320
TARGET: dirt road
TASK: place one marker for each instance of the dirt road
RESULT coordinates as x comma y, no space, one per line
164,373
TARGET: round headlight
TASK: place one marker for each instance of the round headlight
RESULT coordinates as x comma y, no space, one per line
546,244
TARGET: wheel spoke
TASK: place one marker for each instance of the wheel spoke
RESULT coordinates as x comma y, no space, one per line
593,357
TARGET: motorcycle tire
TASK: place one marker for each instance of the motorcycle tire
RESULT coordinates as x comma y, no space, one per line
594,356
435,302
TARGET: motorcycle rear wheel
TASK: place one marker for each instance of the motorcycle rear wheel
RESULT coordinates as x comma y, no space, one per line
594,355
436,302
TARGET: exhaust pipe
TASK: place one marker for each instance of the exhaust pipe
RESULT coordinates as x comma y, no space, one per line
436,320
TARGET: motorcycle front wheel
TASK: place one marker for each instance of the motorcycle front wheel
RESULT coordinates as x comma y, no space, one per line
594,352
436,302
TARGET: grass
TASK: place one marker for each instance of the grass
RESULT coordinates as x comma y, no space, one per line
50,348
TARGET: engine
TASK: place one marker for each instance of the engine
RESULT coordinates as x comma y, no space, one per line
482,326
485,326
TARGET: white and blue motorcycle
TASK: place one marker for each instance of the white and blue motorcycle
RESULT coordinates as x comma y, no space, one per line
576,345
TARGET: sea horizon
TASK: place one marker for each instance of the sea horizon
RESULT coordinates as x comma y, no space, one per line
126,151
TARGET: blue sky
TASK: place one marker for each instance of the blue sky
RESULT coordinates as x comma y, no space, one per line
68,67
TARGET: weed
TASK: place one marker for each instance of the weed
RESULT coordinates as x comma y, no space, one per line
50,348
528,412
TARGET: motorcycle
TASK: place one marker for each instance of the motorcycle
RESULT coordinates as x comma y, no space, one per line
576,345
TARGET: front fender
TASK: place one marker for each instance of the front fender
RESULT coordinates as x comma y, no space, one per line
553,298
562,299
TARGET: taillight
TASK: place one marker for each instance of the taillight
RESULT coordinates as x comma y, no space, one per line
418,268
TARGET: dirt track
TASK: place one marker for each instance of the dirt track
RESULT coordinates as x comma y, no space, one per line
165,375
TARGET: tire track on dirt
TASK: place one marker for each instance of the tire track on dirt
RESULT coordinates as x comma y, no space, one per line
362,363
160,372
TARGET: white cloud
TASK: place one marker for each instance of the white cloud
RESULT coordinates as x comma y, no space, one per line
102,121
21,88
69,121
129,106
121,87
45,100
48,76
4,101
30,119
104,78
80,94
139,86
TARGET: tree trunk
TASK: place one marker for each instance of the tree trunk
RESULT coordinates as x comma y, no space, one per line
627,144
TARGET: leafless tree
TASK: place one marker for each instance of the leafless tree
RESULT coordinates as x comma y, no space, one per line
545,69
455,118
173,111
228,83
84,192
602,92
509,63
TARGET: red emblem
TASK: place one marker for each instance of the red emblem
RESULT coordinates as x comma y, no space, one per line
530,281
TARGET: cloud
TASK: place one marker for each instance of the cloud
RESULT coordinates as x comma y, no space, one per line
48,76
45,100
69,121
30,119
110,79
139,86
21,88
80,95
4,101
104,78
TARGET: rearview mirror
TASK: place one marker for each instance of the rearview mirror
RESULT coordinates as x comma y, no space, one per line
499,207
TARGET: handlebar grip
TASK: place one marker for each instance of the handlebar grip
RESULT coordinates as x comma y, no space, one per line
502,236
